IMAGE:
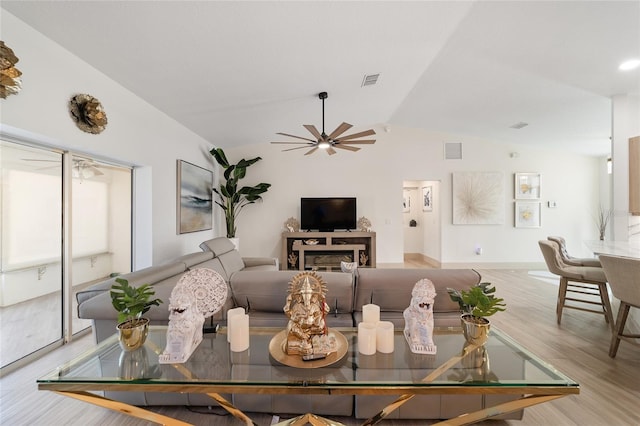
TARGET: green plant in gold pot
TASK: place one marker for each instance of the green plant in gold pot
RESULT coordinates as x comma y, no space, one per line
131,303
476,304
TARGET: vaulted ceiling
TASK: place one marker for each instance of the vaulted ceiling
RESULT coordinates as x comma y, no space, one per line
238,72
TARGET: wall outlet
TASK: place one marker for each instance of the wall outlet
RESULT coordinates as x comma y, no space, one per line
552,204
478,250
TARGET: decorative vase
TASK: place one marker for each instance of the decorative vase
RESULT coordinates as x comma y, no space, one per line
133,333
475,330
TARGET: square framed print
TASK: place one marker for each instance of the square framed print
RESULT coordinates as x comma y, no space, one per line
527,186
478,198
527,214
427,198
194,198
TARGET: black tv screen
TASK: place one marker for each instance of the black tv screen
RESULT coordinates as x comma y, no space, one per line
328,214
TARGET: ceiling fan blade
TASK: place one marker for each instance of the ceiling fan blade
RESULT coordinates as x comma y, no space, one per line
294,143
312,129
363,141
298,147
358,135
340,130
331,151
297,137
350,148
311,151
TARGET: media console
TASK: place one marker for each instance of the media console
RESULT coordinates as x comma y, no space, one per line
331,249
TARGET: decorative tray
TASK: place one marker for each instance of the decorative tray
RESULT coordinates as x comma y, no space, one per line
278,342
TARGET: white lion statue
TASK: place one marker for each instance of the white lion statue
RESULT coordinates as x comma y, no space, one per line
418,318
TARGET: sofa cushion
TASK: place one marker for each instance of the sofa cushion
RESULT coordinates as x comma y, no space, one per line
218,245
192,259
231,262
150,275
267,291
391,288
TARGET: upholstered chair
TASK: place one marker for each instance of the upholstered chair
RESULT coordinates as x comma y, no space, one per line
581,287
570,260
623,274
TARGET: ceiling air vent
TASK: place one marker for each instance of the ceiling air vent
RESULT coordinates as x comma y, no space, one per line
453,151
519,125
370,80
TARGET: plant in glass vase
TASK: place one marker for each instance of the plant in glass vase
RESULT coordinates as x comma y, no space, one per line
232,198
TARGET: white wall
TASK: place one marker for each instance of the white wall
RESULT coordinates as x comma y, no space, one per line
375,176
137,134
140,135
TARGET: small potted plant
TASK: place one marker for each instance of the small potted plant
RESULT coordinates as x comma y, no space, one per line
131,303
476,304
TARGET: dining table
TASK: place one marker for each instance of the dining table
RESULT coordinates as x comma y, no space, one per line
615,247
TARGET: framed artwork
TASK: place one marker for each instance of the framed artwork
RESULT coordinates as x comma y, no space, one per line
478,198
427,198
406,201
527,186
194,198
527,214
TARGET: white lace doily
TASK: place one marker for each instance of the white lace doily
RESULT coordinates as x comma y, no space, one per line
204,287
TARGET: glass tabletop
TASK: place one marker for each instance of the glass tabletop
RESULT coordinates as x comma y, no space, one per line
501,363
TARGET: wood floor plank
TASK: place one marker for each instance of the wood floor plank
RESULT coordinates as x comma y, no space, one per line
610,388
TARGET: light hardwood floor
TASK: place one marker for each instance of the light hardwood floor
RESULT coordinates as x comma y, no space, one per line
610,388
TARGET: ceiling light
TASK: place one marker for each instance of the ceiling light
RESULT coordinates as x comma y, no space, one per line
629,65
324,145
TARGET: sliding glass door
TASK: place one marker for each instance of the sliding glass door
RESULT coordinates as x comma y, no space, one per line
65,224
31,295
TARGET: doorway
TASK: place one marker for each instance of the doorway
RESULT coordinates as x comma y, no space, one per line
421,222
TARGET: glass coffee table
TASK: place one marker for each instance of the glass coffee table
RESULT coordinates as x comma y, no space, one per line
501,367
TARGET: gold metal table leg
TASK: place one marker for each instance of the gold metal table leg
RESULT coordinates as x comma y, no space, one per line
309,418
431,377
504,408
123,408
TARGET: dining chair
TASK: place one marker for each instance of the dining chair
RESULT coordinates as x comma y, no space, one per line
623,274
584,287
570,260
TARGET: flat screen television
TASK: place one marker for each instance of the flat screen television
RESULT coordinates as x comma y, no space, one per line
328,214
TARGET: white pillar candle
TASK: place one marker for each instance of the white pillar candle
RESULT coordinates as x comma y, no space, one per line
371,313
239,333
384,337
367,338
230,314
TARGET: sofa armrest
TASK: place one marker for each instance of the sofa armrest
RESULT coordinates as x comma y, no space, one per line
261,261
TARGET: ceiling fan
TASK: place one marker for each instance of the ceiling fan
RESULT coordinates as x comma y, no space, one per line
82,168
331,141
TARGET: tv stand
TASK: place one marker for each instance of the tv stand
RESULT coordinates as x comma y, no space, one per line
331,249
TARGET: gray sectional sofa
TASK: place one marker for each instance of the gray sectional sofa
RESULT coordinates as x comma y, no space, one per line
257,285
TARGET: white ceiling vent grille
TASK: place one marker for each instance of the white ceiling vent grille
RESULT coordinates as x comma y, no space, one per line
453,151
370,80
519,125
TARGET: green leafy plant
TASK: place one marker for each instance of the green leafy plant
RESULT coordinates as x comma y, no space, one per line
131,302
479,301
234,199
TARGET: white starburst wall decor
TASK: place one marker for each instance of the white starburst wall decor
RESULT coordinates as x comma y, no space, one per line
478,198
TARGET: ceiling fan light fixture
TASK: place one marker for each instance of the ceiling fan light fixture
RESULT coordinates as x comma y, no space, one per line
629,65
324,144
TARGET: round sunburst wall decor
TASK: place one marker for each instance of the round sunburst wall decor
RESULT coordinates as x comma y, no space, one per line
88,114
10,83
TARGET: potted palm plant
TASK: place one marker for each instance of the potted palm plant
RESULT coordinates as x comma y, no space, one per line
476,304
232,198
131,303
